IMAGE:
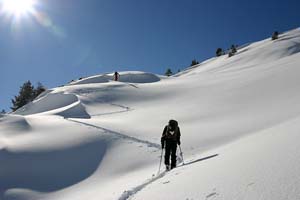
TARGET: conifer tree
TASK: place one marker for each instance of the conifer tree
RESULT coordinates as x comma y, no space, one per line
275,35
26,94
194,62
219,52
168,72
232,50
40,89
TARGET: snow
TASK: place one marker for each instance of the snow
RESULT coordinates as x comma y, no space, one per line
130,77
262,166
63,104
100,139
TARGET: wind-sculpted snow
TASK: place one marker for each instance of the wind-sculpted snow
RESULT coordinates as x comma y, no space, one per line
245,108
75,110
51,170
13,123
139,77
128,77
43,158
63,104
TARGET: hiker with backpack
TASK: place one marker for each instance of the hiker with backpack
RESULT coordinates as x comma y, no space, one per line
116,76
169,140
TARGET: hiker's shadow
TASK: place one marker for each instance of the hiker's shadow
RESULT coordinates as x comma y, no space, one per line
200,159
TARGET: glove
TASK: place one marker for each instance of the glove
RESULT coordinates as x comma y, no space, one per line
179,142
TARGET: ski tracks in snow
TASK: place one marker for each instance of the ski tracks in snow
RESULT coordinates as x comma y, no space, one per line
130,193
119,135
126,109
115,133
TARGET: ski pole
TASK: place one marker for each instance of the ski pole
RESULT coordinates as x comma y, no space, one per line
160,161
181,154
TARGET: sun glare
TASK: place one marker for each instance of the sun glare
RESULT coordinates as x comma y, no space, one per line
18,7
14,11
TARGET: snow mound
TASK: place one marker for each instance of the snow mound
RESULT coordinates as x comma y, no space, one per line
127,77
59,168
13,123
76,110
63,104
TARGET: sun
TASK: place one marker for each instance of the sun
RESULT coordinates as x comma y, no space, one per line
17,7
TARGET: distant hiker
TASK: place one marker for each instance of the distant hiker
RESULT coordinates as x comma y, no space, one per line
169,140
275,35
116,76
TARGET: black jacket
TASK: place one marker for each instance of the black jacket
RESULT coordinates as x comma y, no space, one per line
170,135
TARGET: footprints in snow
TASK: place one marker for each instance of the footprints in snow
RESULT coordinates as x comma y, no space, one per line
212,195
250,184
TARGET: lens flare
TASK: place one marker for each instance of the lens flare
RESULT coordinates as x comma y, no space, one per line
15,10
17,7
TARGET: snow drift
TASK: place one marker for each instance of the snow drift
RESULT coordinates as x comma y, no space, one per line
63,104
130,77
100,139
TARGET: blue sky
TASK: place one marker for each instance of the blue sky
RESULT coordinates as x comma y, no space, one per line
77,38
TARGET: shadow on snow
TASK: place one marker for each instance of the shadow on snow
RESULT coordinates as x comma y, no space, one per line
49,171
129,193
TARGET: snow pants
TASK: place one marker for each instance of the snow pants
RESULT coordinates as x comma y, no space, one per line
171,147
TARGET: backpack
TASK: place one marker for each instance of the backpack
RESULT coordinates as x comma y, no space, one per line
172,130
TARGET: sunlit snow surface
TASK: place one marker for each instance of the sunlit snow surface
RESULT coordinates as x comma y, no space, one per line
97,139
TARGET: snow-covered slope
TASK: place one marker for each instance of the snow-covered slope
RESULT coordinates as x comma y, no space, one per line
100,139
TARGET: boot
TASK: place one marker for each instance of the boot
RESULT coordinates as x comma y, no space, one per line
168,167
